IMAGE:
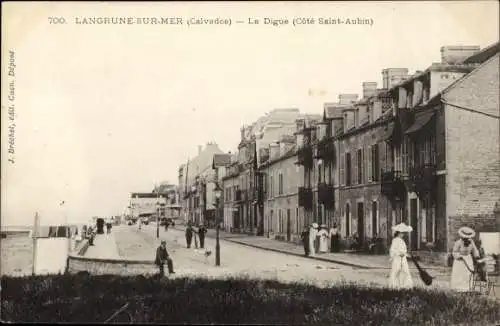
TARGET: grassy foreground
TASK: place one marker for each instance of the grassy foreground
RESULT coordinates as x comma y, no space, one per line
93,299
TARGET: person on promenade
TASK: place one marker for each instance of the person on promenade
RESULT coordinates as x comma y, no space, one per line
189,235
201,233
162,257
90,235
108,227
195,235
334,238
323,239
480,262
304,236
463,267
399,276
312,239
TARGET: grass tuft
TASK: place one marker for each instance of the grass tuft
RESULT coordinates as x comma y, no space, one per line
236,300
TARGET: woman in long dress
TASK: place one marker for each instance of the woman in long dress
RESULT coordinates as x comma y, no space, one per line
463,267
312,239
334,238
400,276
323,239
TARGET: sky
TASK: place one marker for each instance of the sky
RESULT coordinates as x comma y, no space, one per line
105,110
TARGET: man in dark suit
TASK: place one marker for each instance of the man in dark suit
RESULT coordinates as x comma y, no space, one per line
162,257
201,234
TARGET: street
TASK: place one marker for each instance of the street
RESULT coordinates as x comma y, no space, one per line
240,260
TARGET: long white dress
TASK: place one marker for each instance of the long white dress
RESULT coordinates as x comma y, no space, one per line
312,237
323,240
400,276
460,274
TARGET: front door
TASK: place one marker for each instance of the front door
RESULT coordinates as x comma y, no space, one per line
414,224
361,223
347,221
374,219
288,226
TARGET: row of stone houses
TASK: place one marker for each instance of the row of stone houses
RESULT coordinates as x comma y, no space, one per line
423,149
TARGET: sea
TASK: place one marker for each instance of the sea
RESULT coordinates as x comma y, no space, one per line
17,252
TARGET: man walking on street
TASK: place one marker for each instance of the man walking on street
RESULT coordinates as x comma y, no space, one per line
305,240
162,257
189,235
201,233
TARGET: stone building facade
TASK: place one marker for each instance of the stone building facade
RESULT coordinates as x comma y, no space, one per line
403,154
283,219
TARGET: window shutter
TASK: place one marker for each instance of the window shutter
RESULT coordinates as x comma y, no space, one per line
354,168
342,176
370,164
363,167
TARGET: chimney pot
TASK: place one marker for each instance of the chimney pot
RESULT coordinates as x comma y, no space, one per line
347,98
454,54
369,89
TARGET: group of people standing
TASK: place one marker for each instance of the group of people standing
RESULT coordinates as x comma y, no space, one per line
196,233
318,239
467,260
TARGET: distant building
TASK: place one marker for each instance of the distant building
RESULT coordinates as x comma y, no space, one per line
193,179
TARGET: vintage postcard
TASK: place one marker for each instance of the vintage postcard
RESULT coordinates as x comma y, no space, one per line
301,163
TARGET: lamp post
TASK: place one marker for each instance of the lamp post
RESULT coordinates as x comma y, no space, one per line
158,207
218,194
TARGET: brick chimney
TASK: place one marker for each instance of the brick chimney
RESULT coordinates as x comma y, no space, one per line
347,98
393,76
454,54
369,89
242,133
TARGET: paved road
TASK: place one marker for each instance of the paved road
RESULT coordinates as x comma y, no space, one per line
242,260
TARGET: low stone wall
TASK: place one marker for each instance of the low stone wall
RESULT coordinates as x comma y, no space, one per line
96,266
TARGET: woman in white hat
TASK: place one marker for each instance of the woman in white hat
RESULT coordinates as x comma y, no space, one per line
323,239
312,238
463,266
400,276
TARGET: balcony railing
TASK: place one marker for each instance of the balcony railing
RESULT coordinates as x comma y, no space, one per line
423,178
392,184
326,195
305,198
305,156
326,150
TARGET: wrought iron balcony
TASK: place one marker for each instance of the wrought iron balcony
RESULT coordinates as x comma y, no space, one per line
305,156
326,195
326,150
305,198
423,178
392,184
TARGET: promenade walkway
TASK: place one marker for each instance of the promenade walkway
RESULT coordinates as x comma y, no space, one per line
104,247
350,259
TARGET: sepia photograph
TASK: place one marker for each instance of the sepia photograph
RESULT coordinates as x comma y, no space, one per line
254,163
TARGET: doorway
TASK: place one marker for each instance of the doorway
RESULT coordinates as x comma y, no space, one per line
374,219
288,226
361,224
347,220
414,224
